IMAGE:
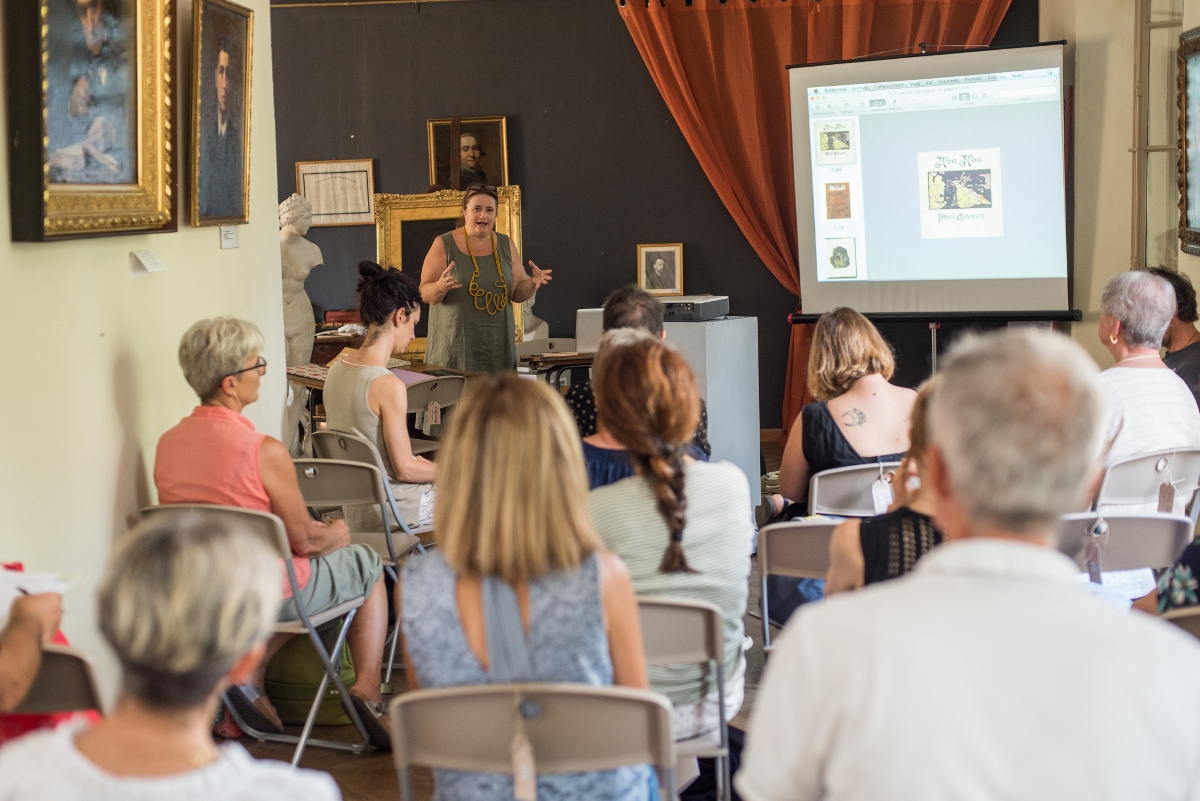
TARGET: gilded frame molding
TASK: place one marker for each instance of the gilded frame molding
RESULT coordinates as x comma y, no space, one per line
197,82
392,211
43,210
1189,46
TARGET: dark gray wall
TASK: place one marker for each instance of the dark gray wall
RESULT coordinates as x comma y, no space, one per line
601,164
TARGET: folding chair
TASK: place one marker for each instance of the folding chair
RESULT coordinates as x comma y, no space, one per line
799,549
1137,480
571,728
333,482
846,491
677,631
353,448
271,529
1125,542
445,390
1187,619
65,682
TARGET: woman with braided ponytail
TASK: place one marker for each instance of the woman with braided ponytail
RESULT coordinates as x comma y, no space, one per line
682,526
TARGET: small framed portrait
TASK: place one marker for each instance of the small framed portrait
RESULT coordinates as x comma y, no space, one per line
223,34
481,153
660,268
340,192
91,117
1189,141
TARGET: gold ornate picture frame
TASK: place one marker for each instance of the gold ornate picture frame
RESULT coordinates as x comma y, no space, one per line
483,157
222,57
429,215
91,117
660,268
1189,141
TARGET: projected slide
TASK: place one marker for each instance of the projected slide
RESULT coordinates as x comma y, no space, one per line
954,178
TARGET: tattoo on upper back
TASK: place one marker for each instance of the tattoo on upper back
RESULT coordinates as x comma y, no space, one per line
853,417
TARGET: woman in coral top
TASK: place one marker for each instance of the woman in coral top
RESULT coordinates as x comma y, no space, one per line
215,456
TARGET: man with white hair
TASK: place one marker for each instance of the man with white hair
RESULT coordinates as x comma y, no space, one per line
989,672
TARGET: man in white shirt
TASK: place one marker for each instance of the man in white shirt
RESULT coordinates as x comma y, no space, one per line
988,672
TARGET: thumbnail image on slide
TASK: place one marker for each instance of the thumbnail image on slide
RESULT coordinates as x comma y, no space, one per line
837,201
842,263
837,141
960,194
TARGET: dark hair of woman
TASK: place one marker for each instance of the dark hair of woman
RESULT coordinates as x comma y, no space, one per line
646,398
382,291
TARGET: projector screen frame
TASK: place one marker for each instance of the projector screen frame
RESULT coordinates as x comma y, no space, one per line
1066,111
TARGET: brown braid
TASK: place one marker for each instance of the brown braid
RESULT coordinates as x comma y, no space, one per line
646,398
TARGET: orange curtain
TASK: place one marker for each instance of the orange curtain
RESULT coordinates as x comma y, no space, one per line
721,67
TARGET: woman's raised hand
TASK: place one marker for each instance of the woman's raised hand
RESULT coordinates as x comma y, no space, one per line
446,280
538,276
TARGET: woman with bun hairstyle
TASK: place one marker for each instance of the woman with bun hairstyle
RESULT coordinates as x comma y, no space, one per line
682,526
364,397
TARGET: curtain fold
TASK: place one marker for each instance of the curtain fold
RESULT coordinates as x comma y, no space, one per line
720,65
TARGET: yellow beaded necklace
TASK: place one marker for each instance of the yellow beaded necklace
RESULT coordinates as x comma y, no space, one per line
492,301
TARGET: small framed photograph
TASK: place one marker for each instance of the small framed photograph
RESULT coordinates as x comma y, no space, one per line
1189,141
660,268
340,192
223,33
481,152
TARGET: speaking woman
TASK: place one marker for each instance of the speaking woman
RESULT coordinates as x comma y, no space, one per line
470,279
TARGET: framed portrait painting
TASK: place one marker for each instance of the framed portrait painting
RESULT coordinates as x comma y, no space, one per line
91,117
481,152
223,34
1189,141
660,268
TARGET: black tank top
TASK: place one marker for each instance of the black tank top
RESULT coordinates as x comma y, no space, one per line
892,543
826,447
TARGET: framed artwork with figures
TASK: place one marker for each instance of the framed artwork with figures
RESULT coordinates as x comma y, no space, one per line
90,116
223,33
660,268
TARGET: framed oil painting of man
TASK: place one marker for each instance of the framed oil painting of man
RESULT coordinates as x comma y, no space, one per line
481,153
1189,141
223,34
91,117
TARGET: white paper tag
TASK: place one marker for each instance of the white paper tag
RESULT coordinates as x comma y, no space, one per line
881,496
433,413
524,771
1166,497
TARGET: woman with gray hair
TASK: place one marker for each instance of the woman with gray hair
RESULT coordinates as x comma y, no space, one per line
186,605
215,456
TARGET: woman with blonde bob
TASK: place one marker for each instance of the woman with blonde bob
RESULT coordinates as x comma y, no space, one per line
858,417
518,588
186,605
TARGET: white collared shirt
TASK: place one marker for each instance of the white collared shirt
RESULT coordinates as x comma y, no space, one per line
986,673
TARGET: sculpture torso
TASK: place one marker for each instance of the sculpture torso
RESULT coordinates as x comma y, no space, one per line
299,258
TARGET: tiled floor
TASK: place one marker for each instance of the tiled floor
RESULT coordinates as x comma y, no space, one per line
372,776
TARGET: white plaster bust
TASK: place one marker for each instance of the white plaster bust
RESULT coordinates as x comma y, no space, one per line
299,258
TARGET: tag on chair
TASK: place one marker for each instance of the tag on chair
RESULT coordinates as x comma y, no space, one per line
524,772
433,413
881,496
1166,497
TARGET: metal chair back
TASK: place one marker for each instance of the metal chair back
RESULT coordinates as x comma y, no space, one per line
65,682
1131,541
846,491
799,549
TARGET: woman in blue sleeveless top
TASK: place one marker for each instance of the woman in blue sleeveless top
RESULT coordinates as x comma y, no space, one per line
518,559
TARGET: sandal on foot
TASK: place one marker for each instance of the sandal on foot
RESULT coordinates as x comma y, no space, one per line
375,721
255,708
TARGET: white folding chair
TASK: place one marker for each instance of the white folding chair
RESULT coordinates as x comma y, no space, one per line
531,347
1187,619
1123,542
334,482
572,728
65,682
445,391
799,549
677,631
1137,480
846,491
353,448
272,530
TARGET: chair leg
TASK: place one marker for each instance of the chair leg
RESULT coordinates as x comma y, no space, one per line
766,615
391,657
405,784
309,721
724,782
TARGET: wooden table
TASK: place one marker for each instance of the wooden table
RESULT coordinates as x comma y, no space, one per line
551,365
313,375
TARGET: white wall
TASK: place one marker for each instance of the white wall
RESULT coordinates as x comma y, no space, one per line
91,373
1101,37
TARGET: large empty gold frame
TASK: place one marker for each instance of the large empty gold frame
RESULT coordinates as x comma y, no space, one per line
392,211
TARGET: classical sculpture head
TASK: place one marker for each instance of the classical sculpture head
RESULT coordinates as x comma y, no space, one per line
296,212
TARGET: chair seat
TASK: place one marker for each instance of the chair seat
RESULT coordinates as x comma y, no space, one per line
377,540
705,745
319,619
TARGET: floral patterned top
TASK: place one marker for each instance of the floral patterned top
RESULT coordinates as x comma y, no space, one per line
1177,586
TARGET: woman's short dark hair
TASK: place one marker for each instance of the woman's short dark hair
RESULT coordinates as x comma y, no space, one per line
381,291
1185,293
633,307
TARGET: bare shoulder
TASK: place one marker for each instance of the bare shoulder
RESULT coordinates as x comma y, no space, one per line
613,569
845,536
273,449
